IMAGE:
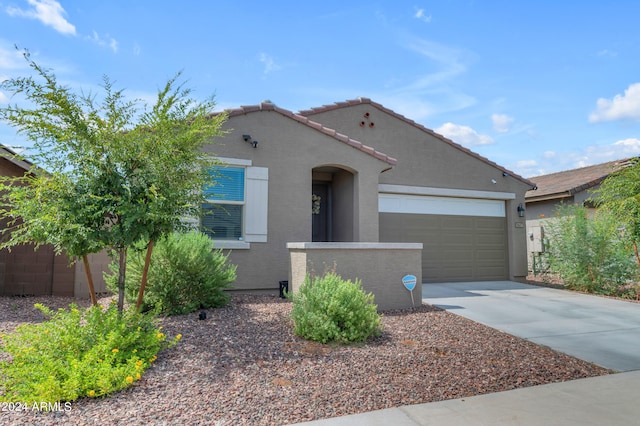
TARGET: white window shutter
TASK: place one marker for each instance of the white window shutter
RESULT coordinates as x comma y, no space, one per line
256,204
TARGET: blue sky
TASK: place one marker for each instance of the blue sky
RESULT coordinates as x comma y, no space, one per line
536,86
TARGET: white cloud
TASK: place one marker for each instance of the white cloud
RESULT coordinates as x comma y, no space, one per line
11,59
49,12
269,63
421,16
630,147
527,163
463,135
501,122
527,168
594,154
621,107
451,63
607,52
602,153
431,92
3,98
107,41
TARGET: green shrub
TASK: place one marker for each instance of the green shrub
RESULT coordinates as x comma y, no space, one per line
590,254
185,274
76,353
329,308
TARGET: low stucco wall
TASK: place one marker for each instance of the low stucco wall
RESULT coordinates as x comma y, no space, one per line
379,266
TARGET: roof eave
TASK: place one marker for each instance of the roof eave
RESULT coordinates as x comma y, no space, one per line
360,101
267,106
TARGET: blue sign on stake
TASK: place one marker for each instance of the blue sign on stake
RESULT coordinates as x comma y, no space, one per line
409,282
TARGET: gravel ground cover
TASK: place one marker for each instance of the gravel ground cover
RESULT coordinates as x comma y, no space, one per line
243,365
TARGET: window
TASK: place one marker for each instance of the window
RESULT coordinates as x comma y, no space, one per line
236,208
223,213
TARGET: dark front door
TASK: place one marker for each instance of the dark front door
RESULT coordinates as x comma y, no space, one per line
321,212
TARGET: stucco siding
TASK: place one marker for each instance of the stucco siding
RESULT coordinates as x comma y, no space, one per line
291,151
425,160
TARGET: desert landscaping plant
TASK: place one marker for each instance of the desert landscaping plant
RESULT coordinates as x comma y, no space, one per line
591,254
78,353
115,174
331,309
186,273
619,194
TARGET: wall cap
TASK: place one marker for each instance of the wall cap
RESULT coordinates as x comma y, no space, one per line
353,246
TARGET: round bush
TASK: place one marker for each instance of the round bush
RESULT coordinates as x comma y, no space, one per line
329,308
186,273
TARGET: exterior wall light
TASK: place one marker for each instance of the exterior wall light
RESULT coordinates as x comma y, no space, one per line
247,138
520,210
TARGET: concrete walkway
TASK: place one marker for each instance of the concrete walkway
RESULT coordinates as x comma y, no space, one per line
595,329
606,400
600,330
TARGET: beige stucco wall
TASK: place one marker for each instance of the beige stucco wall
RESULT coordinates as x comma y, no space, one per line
379,266
291,150
424,160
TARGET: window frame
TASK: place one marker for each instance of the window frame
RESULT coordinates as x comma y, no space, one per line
255,205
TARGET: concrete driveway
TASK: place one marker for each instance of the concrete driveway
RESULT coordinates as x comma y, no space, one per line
603,331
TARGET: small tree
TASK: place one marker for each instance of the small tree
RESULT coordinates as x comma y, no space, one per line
44,201
116,175
620,194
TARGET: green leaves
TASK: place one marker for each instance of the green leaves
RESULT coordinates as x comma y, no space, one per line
79,352
590,254
186,272
328,309
114,175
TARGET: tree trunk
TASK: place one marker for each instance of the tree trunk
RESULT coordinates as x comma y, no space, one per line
145,271
122,267
635,251
87,270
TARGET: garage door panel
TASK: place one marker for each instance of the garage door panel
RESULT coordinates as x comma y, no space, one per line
489,223
455,248
490,240
497,256
455,239
498,270
456,223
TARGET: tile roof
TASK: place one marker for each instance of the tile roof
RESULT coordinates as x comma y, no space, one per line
368,101
13,157
569,182
269,106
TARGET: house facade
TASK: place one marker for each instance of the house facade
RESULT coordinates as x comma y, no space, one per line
356,171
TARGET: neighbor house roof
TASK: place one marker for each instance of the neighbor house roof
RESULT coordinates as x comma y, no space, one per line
13,157
569,182
269,106
368,101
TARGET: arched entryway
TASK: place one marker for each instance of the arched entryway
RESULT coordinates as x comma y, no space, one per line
333,204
